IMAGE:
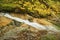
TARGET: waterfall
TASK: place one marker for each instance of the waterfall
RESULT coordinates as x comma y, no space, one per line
11,33
32,24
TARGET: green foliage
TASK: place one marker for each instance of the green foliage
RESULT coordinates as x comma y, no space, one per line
43,8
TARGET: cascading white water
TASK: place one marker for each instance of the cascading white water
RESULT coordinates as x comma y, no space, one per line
32,24
36,25
12,32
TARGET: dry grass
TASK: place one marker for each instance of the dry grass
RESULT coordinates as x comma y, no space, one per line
4,21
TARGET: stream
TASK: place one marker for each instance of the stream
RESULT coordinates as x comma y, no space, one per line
32,24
